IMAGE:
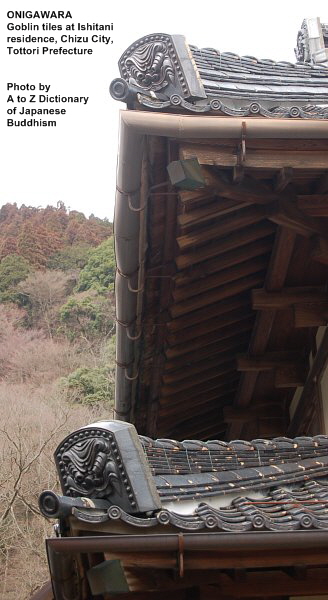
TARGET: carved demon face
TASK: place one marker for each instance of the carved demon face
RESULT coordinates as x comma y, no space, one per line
90,468
150,66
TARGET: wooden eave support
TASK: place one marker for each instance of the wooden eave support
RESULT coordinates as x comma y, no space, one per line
235,258
214,324
247,216
311,314
315,205
233,241
210,281
219,293
288,297
285,213
288,373
223,156
234,342
226,365
281,207
283,178
275,278
268,361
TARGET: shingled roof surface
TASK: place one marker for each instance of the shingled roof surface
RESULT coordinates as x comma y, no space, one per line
281,484
247,77
164,72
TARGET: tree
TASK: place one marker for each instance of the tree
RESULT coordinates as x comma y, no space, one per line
43,291
90,385
88,315
70,257
99,272
13,269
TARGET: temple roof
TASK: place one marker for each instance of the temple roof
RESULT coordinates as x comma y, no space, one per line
163,72
279,484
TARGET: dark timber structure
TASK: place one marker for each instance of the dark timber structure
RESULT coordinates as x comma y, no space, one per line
221,231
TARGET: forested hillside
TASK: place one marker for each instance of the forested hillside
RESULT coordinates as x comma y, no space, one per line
57,325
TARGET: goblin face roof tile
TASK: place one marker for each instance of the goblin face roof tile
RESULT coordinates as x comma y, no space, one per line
276,485
295,494
162,72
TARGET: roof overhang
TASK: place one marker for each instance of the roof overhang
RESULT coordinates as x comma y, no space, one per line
131,212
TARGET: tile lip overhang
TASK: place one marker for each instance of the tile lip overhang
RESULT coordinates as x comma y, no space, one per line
129,225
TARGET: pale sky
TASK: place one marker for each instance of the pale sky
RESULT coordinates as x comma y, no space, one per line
76,161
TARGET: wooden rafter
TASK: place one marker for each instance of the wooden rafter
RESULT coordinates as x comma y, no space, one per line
276,274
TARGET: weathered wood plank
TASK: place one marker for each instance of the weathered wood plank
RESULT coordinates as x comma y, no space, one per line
287,297
245,217
233,241
315,205
214,324
225,291
224,261
237,342
288,215
204,314
283,178
206,340
225,276
311,315
290,376
276,275
260,158
221,206
170,406
226,365
267,362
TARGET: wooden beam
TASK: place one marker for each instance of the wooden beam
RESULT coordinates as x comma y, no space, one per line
283,178
224,276
222,368
311,315
290,376
195,410
280,258
216,208
276,275
315,205
287,214
238,174
196,427
214,324
287,297
227,157
224,261
267,362
245,217
204,314
231,242
216,295
236,342
170,406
